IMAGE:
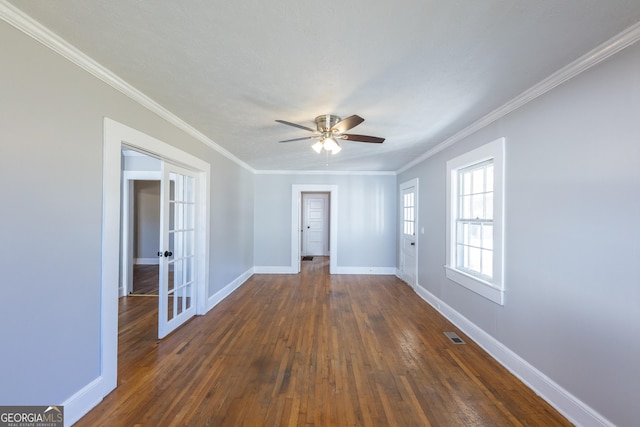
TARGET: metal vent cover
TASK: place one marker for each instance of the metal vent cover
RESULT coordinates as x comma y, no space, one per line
454,338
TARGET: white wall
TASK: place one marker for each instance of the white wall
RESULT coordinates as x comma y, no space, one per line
366,219
572,244
51,159
231,236
146,219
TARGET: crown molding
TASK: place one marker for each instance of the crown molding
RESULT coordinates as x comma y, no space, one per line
23,22
38,32
607,49
323,173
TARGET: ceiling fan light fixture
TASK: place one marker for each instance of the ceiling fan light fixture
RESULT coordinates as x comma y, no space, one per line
330,144
317,147
329,129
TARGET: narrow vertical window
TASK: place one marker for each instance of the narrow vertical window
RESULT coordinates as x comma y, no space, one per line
474,220
409,220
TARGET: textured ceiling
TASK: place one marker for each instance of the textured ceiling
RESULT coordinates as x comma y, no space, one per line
418,71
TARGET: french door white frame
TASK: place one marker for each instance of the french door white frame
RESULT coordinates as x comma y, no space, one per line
296,223
117,135
176,295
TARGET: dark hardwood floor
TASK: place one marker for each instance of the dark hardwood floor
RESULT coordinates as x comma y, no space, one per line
145,279
311,350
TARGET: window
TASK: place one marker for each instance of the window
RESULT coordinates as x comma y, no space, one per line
409,220
474,214
474,220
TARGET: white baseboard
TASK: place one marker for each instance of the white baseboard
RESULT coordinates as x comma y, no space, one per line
83,401
284,269
226,291
567,404
386,271
147,261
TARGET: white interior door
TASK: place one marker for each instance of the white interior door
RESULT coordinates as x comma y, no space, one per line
177,287
408,267
315,224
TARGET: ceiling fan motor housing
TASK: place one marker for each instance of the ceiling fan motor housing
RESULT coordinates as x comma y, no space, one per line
326,122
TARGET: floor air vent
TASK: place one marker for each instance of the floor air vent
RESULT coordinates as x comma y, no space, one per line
454,337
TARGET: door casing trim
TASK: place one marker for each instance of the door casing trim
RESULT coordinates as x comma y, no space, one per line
116,135
296,216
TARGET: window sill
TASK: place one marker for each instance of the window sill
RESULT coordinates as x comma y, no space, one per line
475,284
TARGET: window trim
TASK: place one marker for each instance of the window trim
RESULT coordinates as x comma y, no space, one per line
491,289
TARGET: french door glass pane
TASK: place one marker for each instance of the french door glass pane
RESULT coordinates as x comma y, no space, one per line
189,216
170,311
171,277
189,298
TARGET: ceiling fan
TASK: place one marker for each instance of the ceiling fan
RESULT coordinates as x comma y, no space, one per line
329,129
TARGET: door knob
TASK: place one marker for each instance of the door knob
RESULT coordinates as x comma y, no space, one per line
413,243
168,253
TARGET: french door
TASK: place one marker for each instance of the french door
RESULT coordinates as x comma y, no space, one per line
178,274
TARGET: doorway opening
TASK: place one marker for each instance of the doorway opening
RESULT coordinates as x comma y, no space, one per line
181,214
140,223
158,236
308,204
145,238
315,227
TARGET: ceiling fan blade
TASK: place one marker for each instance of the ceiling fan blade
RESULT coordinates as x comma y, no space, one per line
346,124
362,138
299,139
295,125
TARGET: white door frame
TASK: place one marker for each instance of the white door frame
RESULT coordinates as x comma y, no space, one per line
128,177
117,135
183,291
296,217
404,186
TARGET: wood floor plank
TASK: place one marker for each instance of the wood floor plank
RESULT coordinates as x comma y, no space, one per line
311,349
